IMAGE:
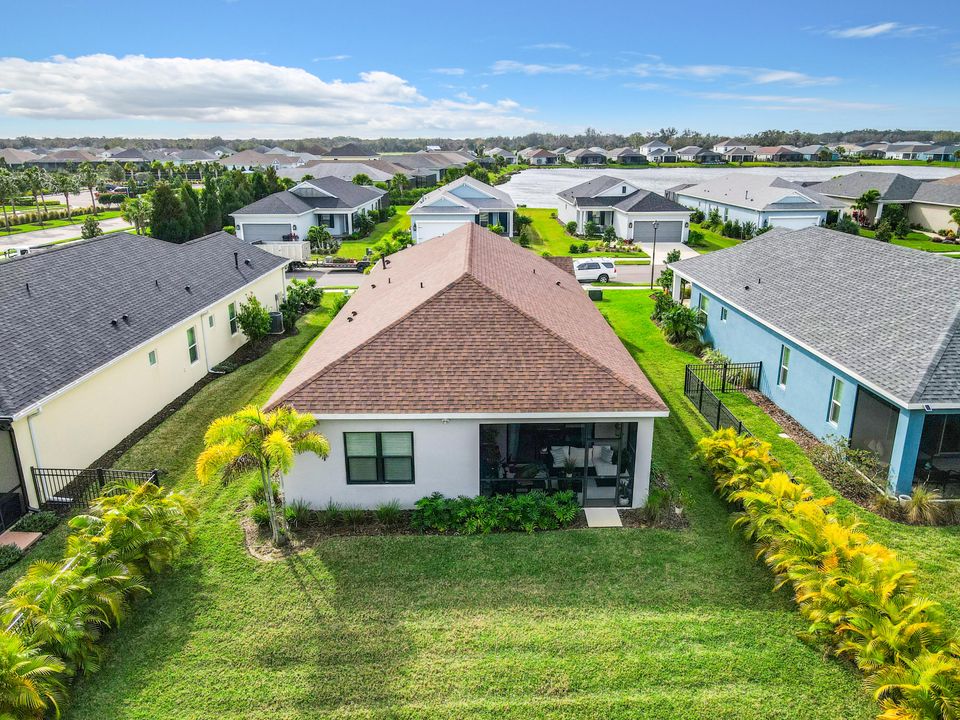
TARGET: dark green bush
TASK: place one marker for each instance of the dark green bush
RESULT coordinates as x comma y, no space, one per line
389,513
9,554
501,513
41,522
260,515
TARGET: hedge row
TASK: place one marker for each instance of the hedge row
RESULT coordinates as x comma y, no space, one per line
481,515
859,598
32,216
55,614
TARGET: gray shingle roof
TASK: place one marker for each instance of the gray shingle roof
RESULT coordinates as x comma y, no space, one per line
893,187
345,194
60,329
901,335
939,192
585,195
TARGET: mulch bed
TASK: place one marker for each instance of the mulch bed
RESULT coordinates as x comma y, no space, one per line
669,519
799,434
245,354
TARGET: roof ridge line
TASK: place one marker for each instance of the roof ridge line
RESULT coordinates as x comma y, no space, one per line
562,339
947,338
353,351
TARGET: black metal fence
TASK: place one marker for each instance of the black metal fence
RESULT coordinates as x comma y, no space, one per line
710,406
722,377
63,489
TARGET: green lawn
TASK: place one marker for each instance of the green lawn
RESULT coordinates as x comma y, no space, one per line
553,237
356,249
916,240
711,240
569,624
77,220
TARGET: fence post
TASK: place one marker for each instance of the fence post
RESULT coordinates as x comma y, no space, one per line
719,408
723,378
700,400
155,477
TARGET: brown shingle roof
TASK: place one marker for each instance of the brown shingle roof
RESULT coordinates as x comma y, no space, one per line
468,323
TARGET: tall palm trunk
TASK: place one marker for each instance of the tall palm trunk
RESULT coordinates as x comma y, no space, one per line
93,198
36,204
271,508
6,220
66,196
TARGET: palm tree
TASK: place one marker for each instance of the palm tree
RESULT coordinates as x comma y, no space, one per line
682,324
955,216
65,184
89,178
927,686
36,181
29,680
251,440
863,203
137,211
63,606
140,526
9,188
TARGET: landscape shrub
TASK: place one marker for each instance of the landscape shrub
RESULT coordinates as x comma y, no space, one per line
571,227
859,598
58,610
255,491
253,318
42,522
695,238
389,513
9,554
697,216
338,302
260,514
529,512
298,513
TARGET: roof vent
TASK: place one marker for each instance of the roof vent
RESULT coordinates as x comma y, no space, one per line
349,318
372,285
113,322
558,283
746,287
187,288
354,313
421,285
247,262
126,318
236,260
157,283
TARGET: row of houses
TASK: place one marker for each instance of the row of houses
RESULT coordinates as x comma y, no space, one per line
886,150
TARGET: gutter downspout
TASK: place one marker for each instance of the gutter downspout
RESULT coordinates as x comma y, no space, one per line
203,337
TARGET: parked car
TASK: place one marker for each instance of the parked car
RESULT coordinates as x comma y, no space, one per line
599,270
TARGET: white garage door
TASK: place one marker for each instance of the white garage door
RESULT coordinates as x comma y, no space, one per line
427,229
670,231
267,232
793,222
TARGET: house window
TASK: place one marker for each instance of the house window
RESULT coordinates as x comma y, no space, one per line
210,320
379,457
723,314
192,345
232,317
703,303
784,366
152,358
836,398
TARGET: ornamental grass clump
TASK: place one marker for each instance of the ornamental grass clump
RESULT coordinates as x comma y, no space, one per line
858,597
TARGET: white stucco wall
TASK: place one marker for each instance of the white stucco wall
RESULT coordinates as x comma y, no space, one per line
932,217
429,226
446,459
779,218
74,428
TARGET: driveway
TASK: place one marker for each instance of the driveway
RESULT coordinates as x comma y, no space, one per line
36,238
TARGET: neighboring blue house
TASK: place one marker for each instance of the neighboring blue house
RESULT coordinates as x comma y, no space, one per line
858,338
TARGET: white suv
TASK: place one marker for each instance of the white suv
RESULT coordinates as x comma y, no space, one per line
599,270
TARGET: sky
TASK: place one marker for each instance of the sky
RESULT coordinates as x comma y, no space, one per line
279,69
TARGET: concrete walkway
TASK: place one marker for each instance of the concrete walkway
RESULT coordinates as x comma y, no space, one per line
35,238
602,517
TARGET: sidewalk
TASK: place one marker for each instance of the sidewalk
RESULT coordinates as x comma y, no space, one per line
65,232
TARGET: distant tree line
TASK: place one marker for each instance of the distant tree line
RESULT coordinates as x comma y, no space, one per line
590,136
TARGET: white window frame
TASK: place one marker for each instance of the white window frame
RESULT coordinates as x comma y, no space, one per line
703,303
232,321
784,374
152,358
193,348
835,405
211,320
723,314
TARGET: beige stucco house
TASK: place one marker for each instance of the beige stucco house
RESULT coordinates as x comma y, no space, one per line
100,335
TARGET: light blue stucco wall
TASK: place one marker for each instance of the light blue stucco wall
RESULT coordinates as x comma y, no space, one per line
806,396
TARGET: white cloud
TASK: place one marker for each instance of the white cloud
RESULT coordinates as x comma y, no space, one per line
548,46
334,58
876,30
792,102
661,70
230,93
449,71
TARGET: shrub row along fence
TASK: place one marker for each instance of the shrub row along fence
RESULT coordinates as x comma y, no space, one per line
859,598
56,613
701,383
63,489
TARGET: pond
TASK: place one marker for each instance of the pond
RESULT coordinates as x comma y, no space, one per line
538,187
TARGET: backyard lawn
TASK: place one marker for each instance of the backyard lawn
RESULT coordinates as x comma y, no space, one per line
917,241
578,623
554,239
356,249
